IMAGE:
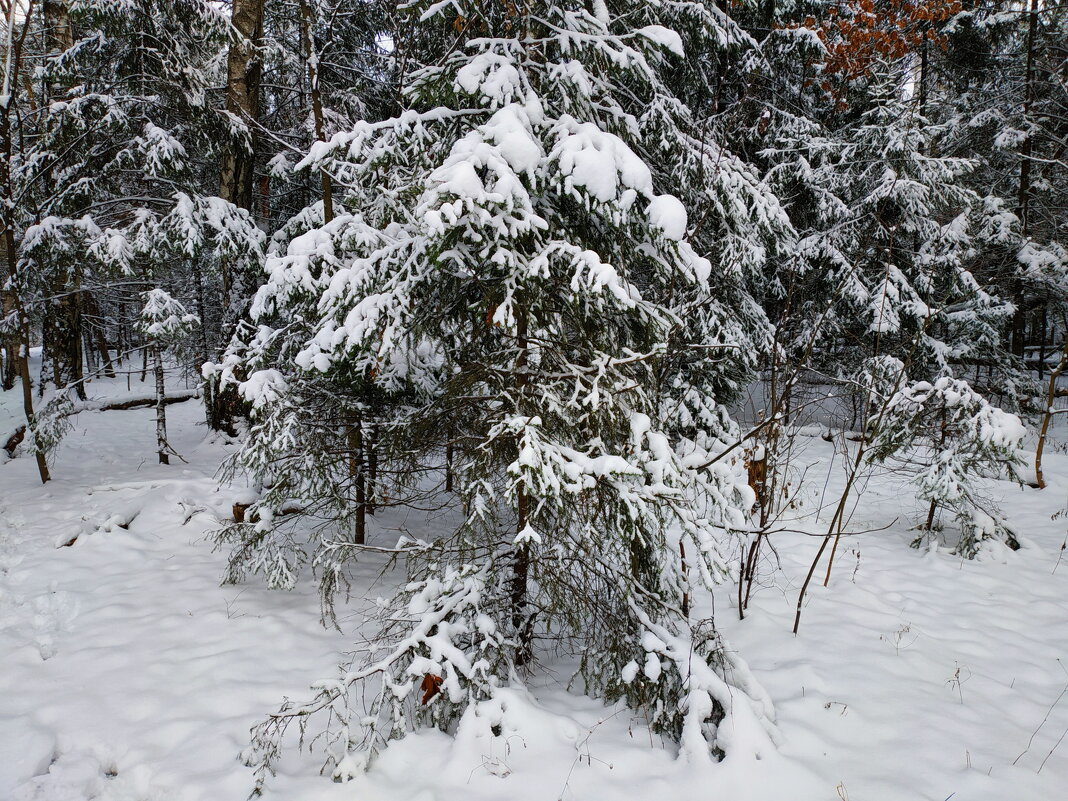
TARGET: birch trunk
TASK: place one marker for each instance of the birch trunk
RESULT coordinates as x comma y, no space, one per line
1047,415
161,406
237,179
243,71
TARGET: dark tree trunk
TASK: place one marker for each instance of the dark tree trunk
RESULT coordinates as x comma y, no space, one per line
7,239
358,477
63,337
99,333
521,620
10,342
312,61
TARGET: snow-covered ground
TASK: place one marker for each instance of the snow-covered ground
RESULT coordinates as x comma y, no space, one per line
128,673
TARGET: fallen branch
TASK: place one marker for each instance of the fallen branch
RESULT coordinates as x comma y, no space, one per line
239,510
136,403
19,434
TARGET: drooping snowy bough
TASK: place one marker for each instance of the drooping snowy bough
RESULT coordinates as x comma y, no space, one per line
509,289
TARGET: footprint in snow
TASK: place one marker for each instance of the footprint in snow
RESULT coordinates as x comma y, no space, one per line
94,773
39,621
52,616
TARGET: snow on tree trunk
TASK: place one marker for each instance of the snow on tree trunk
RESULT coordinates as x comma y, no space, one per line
161,406
10,343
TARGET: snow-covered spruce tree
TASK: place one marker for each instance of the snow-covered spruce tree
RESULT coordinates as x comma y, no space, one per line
736,219
897,244
163,322
951,436
1007,119
503,278
791,137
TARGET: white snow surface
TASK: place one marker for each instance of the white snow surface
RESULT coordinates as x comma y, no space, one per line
129,673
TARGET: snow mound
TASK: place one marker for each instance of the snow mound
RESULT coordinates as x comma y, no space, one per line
667,213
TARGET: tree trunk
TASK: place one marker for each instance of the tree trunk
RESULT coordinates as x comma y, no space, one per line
237,178
13,62
1048,412
204,349
933,508
448,464
1042,344
359,480
521,622
924,69
99,333
63,342
312,61
59,37
122,339
243,70
520,578
371,448
10,343
161,406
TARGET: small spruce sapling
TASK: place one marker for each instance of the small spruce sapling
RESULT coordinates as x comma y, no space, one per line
953,436
163,322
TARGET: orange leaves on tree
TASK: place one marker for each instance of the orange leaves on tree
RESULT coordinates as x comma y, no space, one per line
860,33
430,687
863,32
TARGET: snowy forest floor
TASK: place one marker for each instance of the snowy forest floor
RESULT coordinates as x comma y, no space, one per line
128,673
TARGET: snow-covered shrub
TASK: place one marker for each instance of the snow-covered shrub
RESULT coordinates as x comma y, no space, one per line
953,437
